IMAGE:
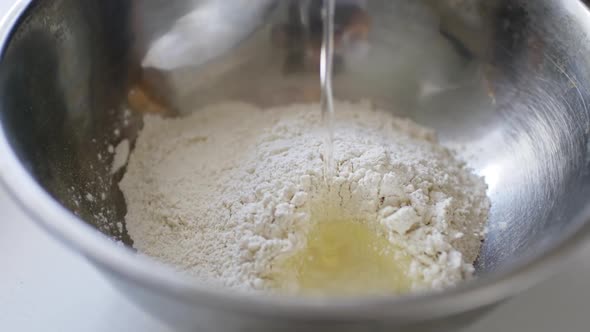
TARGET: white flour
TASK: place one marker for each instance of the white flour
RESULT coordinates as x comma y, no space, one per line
121,154
221,193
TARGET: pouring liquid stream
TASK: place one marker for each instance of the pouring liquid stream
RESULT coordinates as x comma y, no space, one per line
327,101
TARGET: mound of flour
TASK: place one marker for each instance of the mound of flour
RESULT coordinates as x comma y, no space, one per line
223,192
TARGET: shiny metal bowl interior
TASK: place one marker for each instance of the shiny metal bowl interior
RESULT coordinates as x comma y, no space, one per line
504,82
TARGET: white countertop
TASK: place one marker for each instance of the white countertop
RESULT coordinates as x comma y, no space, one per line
46,287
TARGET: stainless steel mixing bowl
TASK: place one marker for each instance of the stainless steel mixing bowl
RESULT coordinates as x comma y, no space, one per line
505,82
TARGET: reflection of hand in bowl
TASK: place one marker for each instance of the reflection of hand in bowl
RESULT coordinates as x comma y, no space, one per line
141,100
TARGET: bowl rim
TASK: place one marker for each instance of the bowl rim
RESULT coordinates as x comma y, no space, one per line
124,264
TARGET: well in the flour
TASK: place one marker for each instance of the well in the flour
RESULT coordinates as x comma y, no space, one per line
343,257
235,196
